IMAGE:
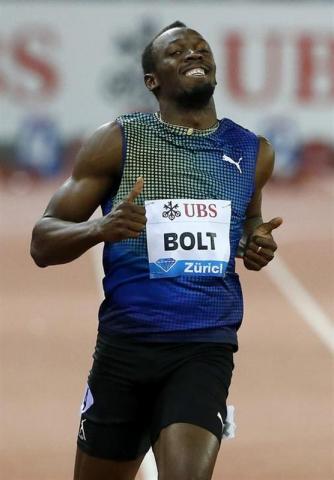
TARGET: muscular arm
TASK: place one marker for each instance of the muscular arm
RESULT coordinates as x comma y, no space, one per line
264,169
65,232
256,233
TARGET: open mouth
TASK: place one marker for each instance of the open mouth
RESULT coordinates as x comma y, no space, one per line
196,72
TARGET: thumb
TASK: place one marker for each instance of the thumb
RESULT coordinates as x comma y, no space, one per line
136,190
267,227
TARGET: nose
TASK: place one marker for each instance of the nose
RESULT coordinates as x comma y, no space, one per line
193,55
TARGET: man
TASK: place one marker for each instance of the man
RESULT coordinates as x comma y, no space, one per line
178,189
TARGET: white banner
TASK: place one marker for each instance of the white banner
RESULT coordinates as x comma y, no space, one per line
188,237
79,64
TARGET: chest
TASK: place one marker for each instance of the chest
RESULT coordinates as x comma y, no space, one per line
193,169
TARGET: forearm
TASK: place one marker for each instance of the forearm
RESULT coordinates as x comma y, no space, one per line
257,244
55,241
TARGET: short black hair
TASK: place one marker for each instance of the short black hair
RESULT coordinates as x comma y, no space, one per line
147,58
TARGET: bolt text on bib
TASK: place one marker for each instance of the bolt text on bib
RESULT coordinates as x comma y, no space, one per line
188,241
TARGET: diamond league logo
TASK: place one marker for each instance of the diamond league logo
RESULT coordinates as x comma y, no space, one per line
165,263
171,211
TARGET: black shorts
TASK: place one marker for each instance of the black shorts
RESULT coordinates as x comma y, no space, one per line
137,389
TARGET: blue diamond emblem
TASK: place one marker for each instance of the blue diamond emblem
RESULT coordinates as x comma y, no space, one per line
165,263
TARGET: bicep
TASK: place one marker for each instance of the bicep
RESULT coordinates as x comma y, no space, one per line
265,163
264,169
77,199
254,207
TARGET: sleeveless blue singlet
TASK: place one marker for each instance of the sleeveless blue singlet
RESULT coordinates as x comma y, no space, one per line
176,162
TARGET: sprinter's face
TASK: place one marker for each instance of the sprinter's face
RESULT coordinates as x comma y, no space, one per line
184,65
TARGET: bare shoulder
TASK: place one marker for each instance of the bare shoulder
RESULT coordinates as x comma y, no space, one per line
265,162
96,173
101,153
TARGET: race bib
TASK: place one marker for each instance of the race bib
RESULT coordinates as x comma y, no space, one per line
188,237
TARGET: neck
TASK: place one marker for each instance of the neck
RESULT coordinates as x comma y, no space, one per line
198,119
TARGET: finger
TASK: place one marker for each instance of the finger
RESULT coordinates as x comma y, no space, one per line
127,232
256,258
138,210
264,252
263,242
131,208
131,234
136,190
139,219
251,265
268,227
135,226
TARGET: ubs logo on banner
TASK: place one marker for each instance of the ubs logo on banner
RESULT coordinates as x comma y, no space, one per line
196,210
171,211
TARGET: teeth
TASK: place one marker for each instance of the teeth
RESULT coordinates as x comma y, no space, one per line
195,72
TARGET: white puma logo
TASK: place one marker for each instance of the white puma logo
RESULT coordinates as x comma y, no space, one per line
230,160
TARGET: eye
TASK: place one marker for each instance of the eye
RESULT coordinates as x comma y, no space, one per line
203,50
175,52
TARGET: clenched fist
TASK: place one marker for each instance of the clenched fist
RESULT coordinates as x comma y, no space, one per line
261,245
126,220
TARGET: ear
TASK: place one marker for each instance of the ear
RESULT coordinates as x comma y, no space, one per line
151,81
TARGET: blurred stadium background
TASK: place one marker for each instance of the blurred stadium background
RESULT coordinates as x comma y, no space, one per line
68,67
